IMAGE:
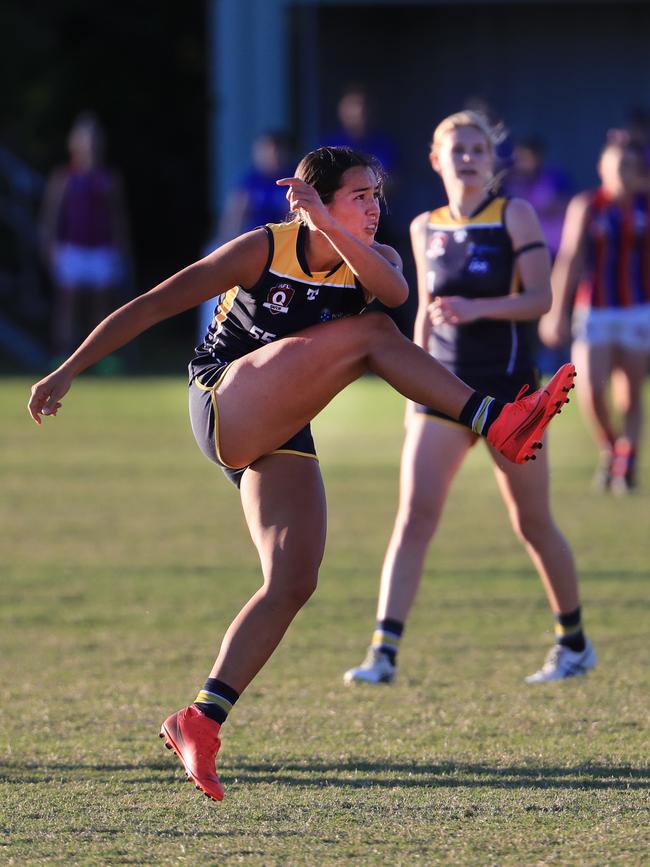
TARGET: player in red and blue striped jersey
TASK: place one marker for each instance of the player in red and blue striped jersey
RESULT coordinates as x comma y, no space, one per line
604,264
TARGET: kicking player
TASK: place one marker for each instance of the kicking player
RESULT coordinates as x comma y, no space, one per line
283,342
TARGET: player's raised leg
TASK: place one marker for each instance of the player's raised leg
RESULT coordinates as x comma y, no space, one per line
287,383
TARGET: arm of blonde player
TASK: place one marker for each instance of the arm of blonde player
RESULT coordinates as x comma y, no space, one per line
422,324
555,326
378,267
239,262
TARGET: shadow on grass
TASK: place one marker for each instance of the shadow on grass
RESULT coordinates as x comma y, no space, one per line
364,774
352,774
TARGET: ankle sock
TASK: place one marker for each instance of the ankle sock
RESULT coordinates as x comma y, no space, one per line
386,637
480,412
568,630
216,699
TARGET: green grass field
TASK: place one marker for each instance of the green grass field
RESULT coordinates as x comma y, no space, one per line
123,557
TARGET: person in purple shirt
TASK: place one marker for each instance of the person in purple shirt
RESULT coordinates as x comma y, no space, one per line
84,235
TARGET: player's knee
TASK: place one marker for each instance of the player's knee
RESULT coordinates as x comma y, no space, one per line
531,527
418,522
302,590
358,336
379,326
291,577
294,590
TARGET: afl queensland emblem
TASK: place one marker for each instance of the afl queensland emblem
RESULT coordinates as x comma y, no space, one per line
279,298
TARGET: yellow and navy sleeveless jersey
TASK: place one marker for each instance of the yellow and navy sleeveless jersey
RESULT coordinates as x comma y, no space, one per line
286,299
473,257
617,272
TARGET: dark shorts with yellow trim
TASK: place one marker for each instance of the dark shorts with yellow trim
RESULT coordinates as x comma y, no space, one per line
505,387
203,415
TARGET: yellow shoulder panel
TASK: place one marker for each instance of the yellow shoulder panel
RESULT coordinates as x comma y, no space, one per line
491,215
285,260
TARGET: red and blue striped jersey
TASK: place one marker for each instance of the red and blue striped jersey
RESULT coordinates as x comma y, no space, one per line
617,266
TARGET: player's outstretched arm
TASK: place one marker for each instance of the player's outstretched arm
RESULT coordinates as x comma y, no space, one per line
240,262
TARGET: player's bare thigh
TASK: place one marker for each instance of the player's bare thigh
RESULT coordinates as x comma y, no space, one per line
432,454
265,397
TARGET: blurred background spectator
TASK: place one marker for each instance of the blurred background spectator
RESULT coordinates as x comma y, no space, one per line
358,129
254,201
85,236
547,188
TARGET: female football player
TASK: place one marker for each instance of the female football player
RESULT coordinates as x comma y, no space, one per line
284,340
483,276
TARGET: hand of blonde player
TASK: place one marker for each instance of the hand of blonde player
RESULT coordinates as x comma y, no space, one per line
451,310
47,394
304,199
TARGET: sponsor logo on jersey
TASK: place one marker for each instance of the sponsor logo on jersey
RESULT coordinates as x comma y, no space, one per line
460,235
437,244
279,298
478,266
326,315
474,249
312,293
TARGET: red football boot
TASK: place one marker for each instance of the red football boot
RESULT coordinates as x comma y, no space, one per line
194,737
519,428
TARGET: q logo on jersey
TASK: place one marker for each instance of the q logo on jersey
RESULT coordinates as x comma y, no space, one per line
279,298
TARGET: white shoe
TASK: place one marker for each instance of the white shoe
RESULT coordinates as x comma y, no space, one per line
562,662
375,668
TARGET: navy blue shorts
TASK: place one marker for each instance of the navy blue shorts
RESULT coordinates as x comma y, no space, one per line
505,387
204,418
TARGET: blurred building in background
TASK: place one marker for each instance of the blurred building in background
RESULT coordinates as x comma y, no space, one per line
564,71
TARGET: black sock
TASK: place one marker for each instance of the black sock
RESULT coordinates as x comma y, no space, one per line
216,699
480,412
386,637
568,630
